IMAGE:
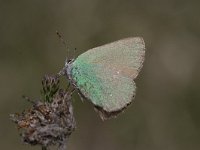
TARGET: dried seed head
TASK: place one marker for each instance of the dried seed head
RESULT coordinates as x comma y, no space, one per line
47,123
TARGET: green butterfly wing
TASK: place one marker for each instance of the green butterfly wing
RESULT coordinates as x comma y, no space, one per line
104,75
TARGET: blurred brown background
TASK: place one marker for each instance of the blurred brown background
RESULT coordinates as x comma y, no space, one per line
165,112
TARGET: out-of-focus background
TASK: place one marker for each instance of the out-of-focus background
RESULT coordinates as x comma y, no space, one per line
165,114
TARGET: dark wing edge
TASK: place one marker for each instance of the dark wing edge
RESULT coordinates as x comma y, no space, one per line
104,115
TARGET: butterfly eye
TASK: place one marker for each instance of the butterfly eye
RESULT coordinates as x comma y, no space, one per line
69,60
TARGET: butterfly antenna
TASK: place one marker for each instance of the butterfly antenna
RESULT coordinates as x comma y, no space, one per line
62,41
74,52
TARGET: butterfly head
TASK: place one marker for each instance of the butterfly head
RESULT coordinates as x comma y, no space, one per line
68,67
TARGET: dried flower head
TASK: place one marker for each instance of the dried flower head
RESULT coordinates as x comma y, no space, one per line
49,121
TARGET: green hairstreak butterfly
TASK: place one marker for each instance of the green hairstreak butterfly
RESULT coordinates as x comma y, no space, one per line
105,75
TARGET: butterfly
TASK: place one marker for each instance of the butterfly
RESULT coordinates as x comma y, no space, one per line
105,75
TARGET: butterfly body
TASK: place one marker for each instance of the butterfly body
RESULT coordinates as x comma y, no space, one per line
104,75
